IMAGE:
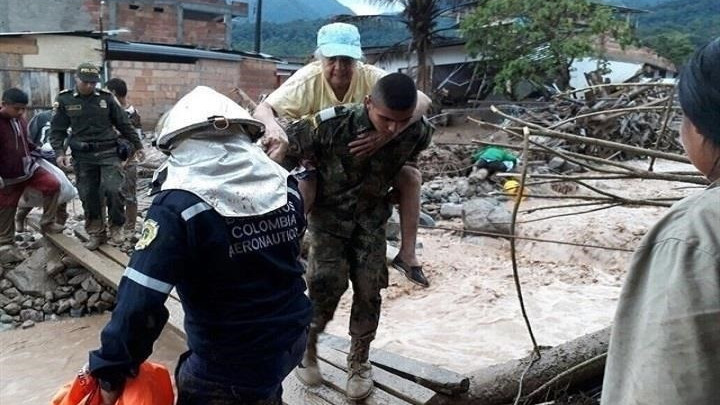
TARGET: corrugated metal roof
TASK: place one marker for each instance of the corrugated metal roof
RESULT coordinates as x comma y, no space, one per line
91,34
183,52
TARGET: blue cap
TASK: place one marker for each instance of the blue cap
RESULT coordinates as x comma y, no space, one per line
339,39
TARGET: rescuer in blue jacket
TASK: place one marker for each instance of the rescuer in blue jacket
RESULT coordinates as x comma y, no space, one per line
224,230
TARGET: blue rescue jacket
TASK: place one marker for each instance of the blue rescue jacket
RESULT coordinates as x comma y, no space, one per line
239,280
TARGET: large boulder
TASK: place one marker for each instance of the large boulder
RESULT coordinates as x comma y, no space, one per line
486,215
30,277
450,210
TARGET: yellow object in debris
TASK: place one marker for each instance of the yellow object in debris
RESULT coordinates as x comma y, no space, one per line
511,186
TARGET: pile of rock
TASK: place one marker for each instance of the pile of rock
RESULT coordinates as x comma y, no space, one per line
28,294
453,190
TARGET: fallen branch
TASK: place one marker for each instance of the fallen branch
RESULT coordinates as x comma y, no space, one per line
592,141
570,364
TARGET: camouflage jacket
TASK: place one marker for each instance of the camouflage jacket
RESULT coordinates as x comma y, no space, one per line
351,191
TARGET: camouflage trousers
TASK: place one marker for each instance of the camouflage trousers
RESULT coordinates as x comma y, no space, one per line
128,190
333,261
98,182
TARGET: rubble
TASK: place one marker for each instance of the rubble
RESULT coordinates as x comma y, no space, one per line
644,115
28,294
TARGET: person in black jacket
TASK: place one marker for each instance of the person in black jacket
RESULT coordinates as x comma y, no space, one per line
226,236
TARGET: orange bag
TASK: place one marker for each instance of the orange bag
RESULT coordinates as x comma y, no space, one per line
152,386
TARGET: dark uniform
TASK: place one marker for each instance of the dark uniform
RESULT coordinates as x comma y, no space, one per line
347,238
241,287
94,150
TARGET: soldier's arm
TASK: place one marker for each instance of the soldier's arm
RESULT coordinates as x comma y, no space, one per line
301,141
120,120
59,123
140,315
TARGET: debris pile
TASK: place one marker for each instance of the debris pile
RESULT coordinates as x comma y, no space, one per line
645,115
445,160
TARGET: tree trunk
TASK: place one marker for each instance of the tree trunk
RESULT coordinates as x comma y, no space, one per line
498,384
563,77
423,79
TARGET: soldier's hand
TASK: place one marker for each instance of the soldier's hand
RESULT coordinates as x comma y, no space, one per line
63,161
275,143
367,144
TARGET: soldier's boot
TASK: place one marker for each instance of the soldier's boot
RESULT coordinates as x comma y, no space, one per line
52,228
308,371
359,382
95,229
94,241
130,217
117,235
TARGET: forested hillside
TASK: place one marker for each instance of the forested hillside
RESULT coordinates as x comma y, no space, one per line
297,38
282,11
672,27
675,28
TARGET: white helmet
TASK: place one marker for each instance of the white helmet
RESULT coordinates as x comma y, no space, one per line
207,112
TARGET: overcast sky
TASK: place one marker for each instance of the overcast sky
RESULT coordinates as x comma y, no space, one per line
362,7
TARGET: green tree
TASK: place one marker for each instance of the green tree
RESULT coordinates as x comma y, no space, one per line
538,40
673,45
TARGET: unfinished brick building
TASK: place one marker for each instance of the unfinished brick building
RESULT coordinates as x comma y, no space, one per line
161,48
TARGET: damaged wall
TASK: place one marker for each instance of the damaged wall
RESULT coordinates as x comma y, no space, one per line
201,23
41,65
153,87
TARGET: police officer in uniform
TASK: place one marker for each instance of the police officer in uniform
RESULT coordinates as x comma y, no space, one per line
224,230
347,238
93,115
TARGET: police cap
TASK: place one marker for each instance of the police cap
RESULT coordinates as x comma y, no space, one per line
88,72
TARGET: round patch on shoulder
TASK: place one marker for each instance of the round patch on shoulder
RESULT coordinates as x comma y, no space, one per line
149,232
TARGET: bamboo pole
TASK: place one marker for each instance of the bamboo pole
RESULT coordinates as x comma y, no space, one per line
598,86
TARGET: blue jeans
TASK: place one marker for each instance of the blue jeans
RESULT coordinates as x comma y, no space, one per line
194,388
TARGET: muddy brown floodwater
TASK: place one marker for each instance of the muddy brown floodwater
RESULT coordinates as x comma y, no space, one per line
469,318
36,362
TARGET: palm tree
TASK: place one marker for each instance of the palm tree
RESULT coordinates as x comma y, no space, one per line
421,19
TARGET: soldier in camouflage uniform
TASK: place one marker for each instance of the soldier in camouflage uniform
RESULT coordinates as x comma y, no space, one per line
93,115
118,88
351,210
